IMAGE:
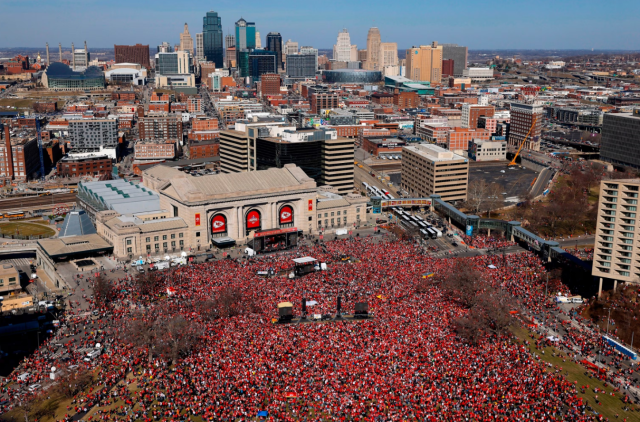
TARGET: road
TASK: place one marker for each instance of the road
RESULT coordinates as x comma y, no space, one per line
18,203
542,182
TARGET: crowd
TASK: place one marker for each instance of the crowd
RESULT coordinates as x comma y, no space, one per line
487,242
404,364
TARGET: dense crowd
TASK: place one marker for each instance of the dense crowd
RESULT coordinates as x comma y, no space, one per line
487,242
404,364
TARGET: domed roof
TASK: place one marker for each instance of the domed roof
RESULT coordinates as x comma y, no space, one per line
60,70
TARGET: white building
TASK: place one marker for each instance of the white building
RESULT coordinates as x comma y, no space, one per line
342,50
480,150
478,73
199,47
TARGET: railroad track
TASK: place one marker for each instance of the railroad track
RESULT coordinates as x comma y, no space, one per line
26,202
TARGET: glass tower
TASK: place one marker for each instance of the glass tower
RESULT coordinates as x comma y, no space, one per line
212,39
274,43
245,36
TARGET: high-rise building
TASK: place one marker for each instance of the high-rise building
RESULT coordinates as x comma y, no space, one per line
620,142
212,38
274,43
80,57
229,41
290,47
373,50
424,63
245,36
617,249
256,63
388,55
186,41
447,67
132,54
302,65
178,62
458,54
310,50
199,47
93,133
270,84
258,40
472,112
526,119
165,47
165,127
342,48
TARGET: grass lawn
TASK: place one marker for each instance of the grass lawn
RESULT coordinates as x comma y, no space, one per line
26,229
610,405
16,102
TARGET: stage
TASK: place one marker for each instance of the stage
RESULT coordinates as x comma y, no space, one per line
332,318
274,240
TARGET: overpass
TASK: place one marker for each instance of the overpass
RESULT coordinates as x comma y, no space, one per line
578,145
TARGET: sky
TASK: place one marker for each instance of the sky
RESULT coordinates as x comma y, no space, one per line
485,24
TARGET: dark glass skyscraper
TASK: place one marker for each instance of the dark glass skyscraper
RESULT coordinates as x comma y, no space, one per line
212,40
274,43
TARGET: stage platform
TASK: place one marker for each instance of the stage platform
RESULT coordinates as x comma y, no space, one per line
332,318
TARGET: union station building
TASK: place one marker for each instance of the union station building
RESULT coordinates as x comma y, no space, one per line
173,211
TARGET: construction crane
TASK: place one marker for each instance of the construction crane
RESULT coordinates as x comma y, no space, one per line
513,162
40,148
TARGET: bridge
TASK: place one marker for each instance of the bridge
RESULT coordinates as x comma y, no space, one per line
578,145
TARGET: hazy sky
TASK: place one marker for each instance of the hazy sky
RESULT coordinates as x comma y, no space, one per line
540,24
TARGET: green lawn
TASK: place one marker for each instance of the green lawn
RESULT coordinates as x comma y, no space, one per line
26,229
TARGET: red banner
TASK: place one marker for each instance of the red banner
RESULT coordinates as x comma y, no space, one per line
274,232
253,219
310,204
286,215
197,219
219,224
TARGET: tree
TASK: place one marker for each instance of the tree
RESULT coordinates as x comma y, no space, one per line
71,383
103,291
147,283
476,195
463,283
494,198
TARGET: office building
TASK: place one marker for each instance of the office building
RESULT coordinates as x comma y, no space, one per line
270,84
620,142
229,41
342,49
472,112
80,57
424,63
93,133
175,63
133,54
429,169
85,164
301,65
323,101
255,63
199,47
186,41
388,55
478,74
459,55
230,58
258,40
362,56
245,36
352,76
458,138
616,253
160,126
212,38
487,150
373,61
526,119
310,50
448,67
290,47
165,47
59,77
274,43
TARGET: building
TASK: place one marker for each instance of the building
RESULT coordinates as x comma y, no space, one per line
357,76
9,282
19,157
305,50
487,150
430,169
478,73
154,150
85,164
424,63
258,40
374,61
93,133
80,57
270,84
458,138
448,67
204,149
616,253
620,142
212,41
161,126
290,47
165,47
434,132
383,146
526,119
382,98
472,112
301,65
323,101
342,48
229,41
388,55
133,54
406,99
59,77
459,55
245,37
175,63
199,47
45,107
255,63
274,43
204,123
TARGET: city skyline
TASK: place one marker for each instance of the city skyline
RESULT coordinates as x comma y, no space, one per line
567,25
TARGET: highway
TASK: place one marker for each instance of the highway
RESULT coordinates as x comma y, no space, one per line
19,203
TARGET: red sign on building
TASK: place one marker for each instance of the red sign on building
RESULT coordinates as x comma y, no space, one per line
310,204
219,224
253,220
286,215
197,219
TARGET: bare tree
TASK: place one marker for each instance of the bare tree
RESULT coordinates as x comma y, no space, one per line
72,383
103,291
494,198
476,195
463,283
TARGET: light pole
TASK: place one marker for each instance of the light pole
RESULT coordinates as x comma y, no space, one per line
546,287
608,318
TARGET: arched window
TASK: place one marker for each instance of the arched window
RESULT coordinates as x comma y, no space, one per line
285,216
219,225
253,221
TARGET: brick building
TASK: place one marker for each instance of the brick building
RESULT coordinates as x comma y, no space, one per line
204,123
160,106
165,127
194,104
204,149
203,135
123,95
381,145
45,107
154,150
436,133
178,107
322,101
447,67
84,165
133,54
458,138
19,157
382,98
406,99
270,84
472,112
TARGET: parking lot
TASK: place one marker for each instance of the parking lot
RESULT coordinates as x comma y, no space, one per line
516,181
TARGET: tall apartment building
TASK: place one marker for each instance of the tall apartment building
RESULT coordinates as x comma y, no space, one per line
19,157
523,117
373,61
424,63
199,46
472,112
165,127
274,43
270,84
323,101
620,142
616,253
186,41
429,169
133,54
342,47
459,55
212,42
93,133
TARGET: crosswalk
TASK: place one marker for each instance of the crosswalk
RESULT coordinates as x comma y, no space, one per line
21,262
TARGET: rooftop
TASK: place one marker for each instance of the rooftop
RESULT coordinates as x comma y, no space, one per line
434,153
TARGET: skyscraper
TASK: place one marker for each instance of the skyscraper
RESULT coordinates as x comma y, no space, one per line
229,41
373,49
388,54
290,47
245,36
424,63
342,49
199,47
212,38
258,40
458,54
274,43
310,50
186,41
